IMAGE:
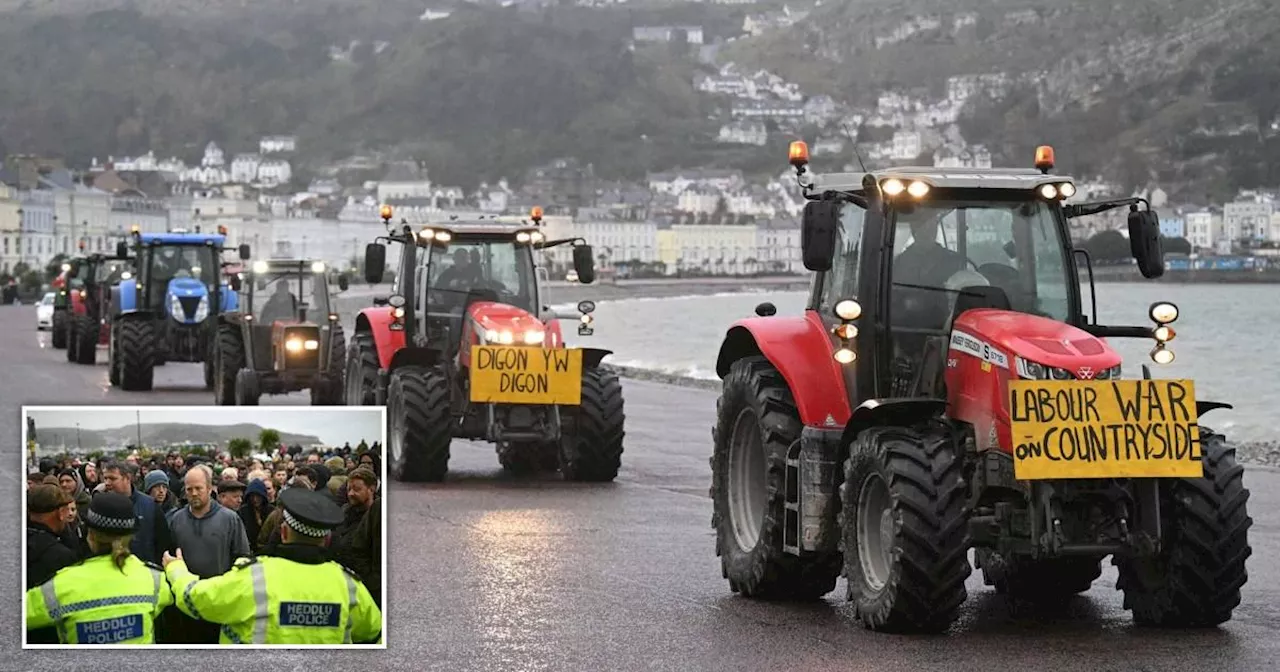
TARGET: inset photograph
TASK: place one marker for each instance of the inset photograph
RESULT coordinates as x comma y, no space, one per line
201,527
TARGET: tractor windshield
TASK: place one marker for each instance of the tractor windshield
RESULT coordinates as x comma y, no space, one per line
109,271
182,261
941,247
288,295
493,265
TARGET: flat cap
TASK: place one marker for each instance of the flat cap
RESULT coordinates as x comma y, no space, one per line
309,512
45,498
230,486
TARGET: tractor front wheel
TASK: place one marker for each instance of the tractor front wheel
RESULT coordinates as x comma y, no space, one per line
420,419
756,422
592,449
1195,579
360,379
228,360
85,343
329,390
248,392
59,329
135,341
72,342
904,527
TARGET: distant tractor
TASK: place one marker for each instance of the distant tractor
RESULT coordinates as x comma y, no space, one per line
945,390
92,280
285,338
465,348
168,311
61,322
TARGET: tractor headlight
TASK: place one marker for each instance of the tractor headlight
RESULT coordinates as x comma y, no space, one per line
202,310
1036,371
293,345
317,267
175,308
311,344
506,337
534,337
1113,373
848,310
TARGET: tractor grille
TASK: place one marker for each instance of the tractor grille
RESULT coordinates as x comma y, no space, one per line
302,359
189,305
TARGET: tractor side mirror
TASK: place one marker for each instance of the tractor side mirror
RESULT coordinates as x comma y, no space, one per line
375,262
1145,243
234,282
818,234
584,264
122,249
244,252
343,282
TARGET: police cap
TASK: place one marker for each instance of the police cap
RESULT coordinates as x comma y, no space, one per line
111,512
309,512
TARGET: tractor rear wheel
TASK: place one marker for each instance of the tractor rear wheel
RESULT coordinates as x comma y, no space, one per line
329,390
756,422
248,392
59,329
228,360
592,449
360,379
135,341
421,423
1195,580
85,343
904,528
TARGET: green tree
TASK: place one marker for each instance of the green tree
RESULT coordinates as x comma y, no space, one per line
240,447
268,440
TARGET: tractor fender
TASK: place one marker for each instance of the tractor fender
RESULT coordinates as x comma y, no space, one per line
125,296
801,351
591,357
376,320
230,300
1203,407
898,412
413,355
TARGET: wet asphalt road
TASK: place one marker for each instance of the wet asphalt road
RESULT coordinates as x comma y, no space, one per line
490,573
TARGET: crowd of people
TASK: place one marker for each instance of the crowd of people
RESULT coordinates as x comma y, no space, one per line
209,513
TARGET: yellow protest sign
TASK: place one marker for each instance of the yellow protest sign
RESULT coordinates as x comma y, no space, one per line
512,374
1104,429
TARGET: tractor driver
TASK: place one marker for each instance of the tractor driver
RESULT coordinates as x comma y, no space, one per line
924,264
282,305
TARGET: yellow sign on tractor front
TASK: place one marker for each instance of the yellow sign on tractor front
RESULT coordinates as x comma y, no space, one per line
1104,429
526,375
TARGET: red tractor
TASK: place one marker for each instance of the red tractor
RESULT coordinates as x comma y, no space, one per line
91,279
465,348
944,391
60,323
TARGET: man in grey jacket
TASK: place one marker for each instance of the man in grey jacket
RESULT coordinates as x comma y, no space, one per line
211,538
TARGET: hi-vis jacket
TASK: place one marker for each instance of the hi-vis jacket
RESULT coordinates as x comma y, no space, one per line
275,600
94,602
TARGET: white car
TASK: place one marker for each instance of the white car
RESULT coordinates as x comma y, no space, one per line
44,312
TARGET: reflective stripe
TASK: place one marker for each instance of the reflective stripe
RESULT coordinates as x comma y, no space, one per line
191,605
105,602
262,613
231,635
351,607
157,575
50,596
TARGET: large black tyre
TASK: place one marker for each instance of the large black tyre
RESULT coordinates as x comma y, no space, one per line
228,360
72,343
756,396
330,390
84,343
248,391
136,341
421,427
360,380
904,528
59,329
592,450
1195,581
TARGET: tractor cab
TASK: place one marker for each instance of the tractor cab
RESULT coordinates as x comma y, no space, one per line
286,336
90,280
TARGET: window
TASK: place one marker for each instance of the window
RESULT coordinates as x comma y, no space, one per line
498,265
841,281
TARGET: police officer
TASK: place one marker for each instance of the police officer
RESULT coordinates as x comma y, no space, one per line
298,595
111,597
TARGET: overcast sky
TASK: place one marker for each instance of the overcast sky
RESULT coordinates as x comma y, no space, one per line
333,424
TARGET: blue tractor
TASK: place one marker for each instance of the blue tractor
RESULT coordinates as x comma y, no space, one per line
168,311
